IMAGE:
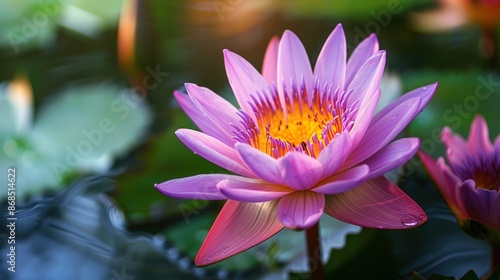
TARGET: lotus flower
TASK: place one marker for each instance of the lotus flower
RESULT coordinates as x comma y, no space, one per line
303,143
470,184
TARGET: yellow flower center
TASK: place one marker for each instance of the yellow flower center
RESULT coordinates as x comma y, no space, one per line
308,126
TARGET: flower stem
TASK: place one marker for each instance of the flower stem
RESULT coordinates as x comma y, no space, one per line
495,255
314,253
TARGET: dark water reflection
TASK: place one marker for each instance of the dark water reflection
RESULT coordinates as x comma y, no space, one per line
80,234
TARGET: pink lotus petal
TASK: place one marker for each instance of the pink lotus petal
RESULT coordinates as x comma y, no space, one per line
195,187
262,165
220,112
244,80
436,172
449,187
479,138
425,93
473,202
381,132
286,184
487,197
251,190
377,203
301,209
496,144
238,227
334,155
367,79
331,63
213,150
359,56
343,181
293,65
392,156
270,64
363,118
300,171
495,209
457,148
205,124
437,169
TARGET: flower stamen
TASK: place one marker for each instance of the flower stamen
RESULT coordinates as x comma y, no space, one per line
484,170
308,126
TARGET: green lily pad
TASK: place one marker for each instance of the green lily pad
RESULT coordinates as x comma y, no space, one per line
30,24
81,130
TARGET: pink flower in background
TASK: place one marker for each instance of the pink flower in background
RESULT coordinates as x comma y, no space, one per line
470,184
305,142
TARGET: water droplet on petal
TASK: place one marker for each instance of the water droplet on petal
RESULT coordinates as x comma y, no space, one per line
409,220
381,227
424,88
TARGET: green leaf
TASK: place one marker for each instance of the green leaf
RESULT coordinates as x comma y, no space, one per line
82,130
439,246
164,158
30,24
288,248
26,25
365,256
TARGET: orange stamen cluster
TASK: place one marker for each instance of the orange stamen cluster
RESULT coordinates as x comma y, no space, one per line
308,126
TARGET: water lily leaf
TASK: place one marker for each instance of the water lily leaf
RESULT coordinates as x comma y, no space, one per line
81,130
104,14
97,16
368,248
439,246
30,24
88,126
288,248
27,24
8,126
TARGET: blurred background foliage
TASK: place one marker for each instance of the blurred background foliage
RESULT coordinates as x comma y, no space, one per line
81,62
